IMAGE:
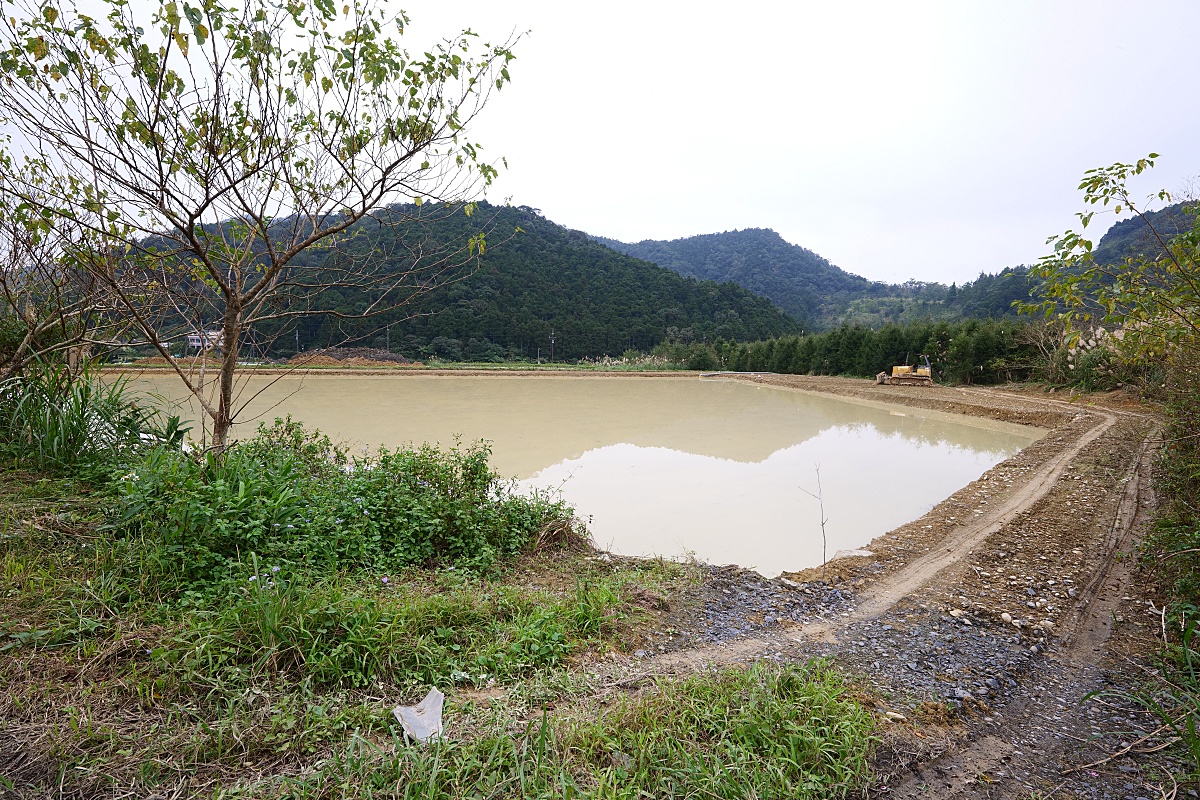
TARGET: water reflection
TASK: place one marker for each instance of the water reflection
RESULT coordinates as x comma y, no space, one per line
658,501
668,465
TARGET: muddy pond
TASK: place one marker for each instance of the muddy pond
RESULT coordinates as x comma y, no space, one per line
716,469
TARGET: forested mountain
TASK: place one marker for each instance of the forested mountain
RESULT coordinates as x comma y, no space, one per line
541,288
536,280
986,297
820,295
796,279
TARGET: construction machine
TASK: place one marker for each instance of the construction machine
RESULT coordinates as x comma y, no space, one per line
921,375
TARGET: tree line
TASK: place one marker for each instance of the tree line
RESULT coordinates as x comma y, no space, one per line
963,352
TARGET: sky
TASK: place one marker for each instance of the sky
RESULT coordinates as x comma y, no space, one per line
900,140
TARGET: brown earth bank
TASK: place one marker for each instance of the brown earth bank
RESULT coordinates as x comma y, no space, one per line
981,631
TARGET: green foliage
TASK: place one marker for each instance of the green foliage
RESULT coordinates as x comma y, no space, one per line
534,279
53,419
199,148
796,279
1095,370
1134,304
1139,235
766,731
352,630
1151,295
1143,283
1173,546
972,351
290,497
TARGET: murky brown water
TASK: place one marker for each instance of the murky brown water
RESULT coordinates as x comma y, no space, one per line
669,466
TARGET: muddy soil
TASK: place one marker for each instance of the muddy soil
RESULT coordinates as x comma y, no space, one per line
978,630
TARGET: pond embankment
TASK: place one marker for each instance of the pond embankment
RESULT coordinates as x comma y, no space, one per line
1007,603
971,635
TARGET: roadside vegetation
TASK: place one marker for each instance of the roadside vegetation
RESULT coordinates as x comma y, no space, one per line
1148,289
243,623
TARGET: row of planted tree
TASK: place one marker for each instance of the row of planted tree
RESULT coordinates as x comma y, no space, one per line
965,352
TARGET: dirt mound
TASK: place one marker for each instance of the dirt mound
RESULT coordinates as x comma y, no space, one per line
349,357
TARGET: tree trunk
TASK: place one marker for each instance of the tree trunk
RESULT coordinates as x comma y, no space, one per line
231,331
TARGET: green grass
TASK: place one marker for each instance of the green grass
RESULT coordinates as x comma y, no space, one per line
103,675
54,420
287,690
766,731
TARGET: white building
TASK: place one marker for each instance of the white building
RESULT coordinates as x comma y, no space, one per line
206,340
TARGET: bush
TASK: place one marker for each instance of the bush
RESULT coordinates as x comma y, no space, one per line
291,497
1095,370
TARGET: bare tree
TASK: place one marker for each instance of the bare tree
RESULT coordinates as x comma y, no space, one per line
203,149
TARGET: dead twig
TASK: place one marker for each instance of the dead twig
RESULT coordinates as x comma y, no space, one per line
1123,751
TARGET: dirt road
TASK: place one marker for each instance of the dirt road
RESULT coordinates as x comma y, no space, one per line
1006,604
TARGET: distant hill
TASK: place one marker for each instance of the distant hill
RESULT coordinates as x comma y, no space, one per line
796,279
1132,236
540,279
821,295
987,297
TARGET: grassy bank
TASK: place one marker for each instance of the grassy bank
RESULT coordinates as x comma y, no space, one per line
242,624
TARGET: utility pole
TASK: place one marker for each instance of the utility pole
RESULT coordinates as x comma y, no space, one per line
389,338
552,345
297,339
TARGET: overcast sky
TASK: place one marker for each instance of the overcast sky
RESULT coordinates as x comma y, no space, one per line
897,139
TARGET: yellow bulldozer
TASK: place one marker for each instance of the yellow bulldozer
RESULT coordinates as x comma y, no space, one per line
906,375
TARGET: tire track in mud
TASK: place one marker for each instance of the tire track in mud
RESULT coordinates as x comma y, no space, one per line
1070,673
963,540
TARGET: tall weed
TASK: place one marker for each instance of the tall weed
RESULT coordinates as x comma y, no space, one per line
54,420
344,632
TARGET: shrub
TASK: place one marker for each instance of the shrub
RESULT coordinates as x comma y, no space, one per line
290,496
